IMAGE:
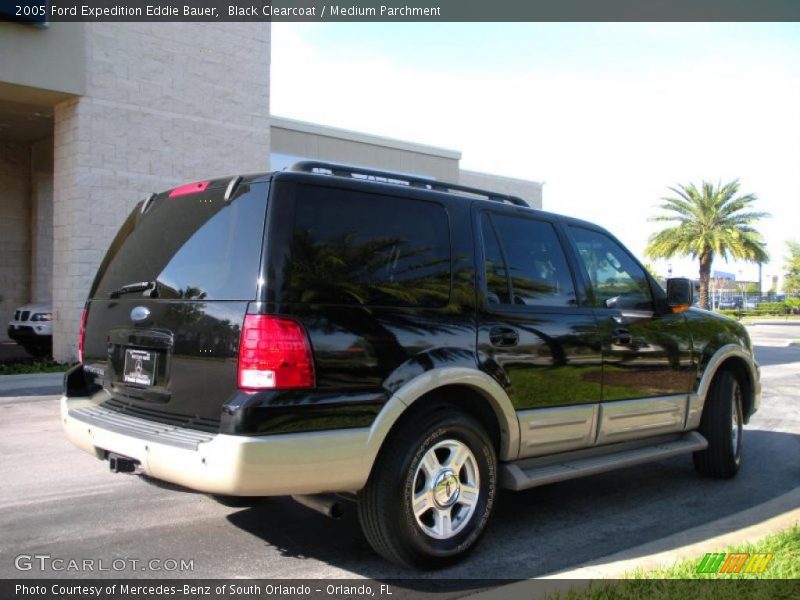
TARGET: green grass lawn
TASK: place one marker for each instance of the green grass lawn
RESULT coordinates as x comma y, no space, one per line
780,579
20,368
755,319
785,563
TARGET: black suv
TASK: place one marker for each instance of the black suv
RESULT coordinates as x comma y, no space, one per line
343,333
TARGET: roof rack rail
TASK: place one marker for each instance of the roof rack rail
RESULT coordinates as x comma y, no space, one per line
366,173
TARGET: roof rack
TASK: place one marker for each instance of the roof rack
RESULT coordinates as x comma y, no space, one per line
365,173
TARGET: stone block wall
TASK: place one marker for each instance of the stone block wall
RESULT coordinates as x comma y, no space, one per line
165,103
15,184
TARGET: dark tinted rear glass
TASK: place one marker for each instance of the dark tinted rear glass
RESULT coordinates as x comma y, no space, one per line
535,260
367,249
196,247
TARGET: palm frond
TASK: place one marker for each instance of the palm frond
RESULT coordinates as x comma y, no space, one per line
707,221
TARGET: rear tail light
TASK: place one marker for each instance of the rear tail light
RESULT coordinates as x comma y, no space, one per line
81,335
274,353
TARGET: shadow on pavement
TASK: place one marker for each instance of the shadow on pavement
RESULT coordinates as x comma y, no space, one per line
12,351
555,527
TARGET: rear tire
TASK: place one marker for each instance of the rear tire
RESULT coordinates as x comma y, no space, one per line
721,425
432,490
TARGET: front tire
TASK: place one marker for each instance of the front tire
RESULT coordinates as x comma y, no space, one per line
432,490
722,425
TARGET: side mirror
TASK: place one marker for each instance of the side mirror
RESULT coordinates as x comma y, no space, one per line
680,293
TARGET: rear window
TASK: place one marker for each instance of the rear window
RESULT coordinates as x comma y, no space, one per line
196,247
367,249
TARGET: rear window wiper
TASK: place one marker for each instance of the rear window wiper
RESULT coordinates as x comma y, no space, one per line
140,286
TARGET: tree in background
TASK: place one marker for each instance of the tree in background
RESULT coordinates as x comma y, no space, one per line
706,223
650,267
791,276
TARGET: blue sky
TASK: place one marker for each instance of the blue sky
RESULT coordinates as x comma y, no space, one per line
608,115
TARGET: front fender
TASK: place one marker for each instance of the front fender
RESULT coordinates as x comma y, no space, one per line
708,368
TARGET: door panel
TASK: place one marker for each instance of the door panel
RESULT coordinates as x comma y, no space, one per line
533,336
556,360
645,353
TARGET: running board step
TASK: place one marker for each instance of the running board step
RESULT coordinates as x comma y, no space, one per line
529,473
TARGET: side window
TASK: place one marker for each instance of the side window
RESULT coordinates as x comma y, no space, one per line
495,265
531,255
617,281
367,249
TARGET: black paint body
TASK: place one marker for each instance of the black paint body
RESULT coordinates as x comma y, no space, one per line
543,356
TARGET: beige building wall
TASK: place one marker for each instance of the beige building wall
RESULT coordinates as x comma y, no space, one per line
41,218
530,191
296,140
97,116
41,64
15,164
309,140
164,103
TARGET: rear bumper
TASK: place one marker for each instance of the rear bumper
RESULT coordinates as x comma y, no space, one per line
275,465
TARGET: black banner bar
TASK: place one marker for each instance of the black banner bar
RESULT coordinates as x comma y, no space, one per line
425,588
399,10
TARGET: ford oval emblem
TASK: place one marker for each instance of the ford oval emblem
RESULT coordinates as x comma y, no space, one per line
140,313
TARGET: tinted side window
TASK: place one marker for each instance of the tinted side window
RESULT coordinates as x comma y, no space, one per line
535,261
197,247
494,264
366,249
617,281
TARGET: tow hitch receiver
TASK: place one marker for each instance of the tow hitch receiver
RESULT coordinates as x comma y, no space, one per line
121,464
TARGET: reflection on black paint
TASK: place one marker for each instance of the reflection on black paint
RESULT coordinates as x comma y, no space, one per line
358,249
656,362
557,360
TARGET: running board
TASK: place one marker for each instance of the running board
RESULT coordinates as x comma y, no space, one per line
528,473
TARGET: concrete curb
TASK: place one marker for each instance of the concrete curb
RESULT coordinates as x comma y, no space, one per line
665,552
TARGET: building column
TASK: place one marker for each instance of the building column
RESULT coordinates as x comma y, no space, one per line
165,103
15,214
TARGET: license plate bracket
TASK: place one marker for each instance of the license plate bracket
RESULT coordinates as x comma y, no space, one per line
140,366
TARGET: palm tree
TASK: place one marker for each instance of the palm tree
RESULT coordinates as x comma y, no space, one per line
708,222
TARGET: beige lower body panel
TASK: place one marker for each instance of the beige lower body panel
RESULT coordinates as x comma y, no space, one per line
632,419
275,465
549,430
561,429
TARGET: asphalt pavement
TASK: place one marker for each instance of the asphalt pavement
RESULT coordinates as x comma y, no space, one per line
62,503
